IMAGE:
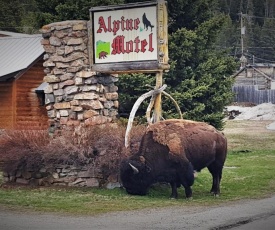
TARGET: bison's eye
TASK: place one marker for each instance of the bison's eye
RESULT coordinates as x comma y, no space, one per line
148,169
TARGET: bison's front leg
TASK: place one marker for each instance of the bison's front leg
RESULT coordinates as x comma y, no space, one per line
186,175
174,194
188,192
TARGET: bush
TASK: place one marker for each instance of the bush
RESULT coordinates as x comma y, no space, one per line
19,145
101,146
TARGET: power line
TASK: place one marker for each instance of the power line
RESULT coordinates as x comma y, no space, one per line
255,57
257,47
267,29
252,16
251,30
257,40
259,17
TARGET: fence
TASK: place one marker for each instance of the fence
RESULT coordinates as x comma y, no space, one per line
245,93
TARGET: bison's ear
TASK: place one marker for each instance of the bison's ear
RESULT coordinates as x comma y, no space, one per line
142,159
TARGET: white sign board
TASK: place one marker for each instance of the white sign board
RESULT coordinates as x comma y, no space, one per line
125,35
129,38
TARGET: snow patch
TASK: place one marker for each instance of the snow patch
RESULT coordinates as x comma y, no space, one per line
265,111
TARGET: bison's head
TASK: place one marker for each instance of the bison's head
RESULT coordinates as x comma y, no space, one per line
135,177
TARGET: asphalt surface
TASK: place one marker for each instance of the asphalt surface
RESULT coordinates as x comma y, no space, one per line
262,223
251,214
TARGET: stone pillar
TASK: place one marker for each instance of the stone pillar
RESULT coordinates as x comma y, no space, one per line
75,95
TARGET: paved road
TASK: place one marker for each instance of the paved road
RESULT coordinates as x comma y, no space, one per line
266,222
252,214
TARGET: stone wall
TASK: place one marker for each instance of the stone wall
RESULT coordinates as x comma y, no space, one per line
61,175
75,95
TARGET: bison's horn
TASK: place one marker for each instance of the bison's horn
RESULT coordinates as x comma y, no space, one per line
134,168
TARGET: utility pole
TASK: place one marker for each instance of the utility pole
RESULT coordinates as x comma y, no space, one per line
243,58
242,32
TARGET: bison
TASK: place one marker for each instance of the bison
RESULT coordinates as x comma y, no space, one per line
170,151
102,55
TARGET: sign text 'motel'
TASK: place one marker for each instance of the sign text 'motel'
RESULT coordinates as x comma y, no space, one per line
126,38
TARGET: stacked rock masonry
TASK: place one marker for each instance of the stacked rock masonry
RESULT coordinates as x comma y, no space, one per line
75,95
61,175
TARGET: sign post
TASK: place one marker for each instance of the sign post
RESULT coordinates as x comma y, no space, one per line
163,55
157,105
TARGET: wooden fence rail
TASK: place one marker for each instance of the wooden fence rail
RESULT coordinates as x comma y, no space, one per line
245,93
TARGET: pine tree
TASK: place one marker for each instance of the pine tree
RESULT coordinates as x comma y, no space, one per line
199,79
199,75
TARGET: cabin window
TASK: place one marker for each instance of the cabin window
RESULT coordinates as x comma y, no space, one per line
40,93
41,98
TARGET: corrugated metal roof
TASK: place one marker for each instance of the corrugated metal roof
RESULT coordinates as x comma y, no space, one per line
18,52
13,34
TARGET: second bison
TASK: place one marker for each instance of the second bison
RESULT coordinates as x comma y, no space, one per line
170,151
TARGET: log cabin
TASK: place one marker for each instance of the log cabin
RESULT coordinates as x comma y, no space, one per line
21,82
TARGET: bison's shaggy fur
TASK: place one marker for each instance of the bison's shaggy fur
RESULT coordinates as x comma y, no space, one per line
169,151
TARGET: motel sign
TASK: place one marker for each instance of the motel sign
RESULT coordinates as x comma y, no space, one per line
129,38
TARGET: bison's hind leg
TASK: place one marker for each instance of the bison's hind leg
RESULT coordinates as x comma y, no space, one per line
216,170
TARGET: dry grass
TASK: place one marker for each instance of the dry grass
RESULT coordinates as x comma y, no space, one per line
248,135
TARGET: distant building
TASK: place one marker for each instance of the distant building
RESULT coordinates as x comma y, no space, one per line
255,83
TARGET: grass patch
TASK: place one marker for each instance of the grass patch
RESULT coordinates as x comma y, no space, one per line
83,201
248,174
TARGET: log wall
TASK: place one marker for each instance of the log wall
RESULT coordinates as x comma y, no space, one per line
29,112
20,105
6,105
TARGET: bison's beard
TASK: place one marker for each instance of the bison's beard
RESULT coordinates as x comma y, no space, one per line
134,187
136,192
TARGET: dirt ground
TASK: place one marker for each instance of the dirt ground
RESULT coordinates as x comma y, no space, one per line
246,127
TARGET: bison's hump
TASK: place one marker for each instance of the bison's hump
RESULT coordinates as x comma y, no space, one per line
170,132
